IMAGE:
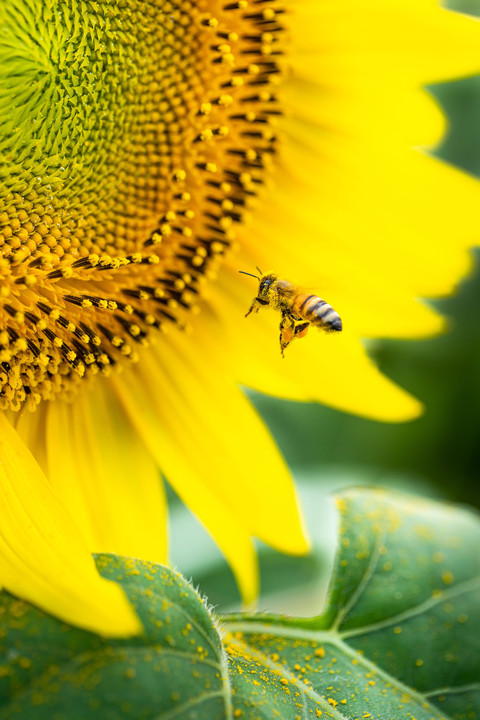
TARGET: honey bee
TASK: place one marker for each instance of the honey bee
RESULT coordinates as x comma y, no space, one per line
299,309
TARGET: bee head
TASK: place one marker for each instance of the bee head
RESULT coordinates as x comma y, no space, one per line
265,283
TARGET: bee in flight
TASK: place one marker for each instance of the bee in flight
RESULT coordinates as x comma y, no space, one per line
299,309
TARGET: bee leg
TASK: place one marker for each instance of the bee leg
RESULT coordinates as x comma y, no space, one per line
287,332
300,329
255,306
252,307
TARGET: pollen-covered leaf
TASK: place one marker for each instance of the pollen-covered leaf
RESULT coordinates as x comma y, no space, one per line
398,638
176,669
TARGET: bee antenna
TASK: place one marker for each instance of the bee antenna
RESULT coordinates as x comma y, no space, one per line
250,274
259,270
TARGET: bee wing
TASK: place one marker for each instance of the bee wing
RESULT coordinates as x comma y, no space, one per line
313,289
285,288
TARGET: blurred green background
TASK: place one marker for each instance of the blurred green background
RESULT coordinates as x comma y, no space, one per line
437,455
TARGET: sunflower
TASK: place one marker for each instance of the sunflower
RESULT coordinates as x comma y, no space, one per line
149,151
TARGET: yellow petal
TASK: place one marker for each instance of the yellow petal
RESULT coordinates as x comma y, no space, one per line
105,476
376,307
369,219
215,451
388,40
43,557
332,369
365,111
178,463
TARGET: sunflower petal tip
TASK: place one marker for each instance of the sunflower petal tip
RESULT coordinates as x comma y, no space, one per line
301,544
116,617
407,411
125,622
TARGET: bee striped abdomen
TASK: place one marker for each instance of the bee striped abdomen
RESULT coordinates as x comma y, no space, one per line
299,310
317,312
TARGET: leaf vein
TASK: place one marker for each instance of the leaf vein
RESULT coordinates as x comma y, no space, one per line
460,589
85,658
364,582
452,690
337,641
185,612
279,670
178,711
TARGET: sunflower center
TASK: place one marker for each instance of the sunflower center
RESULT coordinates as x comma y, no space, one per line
133,134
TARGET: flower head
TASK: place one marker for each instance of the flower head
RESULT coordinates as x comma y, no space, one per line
149,151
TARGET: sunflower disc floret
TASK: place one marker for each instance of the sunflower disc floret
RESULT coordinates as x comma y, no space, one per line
134,135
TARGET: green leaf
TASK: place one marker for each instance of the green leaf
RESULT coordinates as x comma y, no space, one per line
399,638
178,669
